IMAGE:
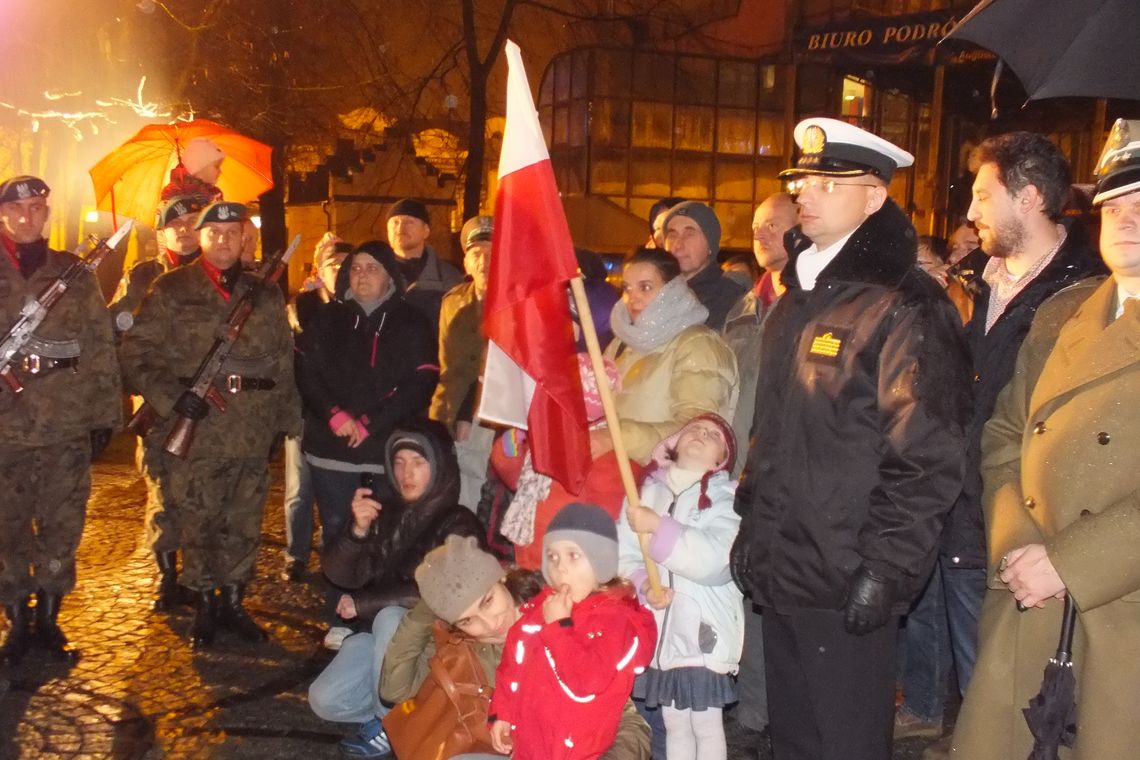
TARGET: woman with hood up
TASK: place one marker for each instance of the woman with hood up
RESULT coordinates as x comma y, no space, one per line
376,556
366,362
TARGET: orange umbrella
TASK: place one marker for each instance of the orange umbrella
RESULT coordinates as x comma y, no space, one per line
129,179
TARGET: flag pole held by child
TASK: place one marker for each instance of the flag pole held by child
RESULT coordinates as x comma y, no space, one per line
612,422
531,377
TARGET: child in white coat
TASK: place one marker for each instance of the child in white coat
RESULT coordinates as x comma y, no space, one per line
687,512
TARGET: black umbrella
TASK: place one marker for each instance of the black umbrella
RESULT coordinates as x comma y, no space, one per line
1061,48
1052,714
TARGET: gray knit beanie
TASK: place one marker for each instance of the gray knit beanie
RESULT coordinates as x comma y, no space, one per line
705,218
593,530
454,576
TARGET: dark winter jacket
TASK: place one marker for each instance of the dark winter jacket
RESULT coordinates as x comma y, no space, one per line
382,565
994,354
436,278
380,368
716,293
859,438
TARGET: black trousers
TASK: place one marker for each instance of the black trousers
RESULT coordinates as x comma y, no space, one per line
831,695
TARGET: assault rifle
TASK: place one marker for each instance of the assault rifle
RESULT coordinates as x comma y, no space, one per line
204,384
91,253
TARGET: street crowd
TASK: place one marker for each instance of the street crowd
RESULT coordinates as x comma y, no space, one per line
870,464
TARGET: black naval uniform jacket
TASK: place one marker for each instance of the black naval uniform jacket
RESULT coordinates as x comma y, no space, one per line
859,435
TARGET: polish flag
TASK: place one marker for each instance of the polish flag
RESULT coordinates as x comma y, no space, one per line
531,378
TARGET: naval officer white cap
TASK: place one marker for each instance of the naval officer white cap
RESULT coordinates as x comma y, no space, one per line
835,148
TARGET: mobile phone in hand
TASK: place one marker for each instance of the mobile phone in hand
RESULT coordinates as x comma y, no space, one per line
367,479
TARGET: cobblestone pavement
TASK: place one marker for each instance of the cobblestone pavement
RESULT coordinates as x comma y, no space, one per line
139,692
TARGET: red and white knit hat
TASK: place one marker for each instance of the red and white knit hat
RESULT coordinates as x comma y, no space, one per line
665,453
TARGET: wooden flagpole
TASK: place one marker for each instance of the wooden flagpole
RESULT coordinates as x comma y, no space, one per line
612,423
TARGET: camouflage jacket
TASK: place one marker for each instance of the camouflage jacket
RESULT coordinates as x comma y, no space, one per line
174,329
135,284
61,403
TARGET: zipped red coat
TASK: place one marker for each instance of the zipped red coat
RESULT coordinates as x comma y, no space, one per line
562,685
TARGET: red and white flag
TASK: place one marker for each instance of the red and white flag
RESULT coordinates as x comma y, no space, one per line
531,376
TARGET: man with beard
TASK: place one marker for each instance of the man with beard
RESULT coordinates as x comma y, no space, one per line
1018,195
856,453
1060,466
47,432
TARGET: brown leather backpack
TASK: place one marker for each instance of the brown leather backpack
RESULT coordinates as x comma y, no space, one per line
448,716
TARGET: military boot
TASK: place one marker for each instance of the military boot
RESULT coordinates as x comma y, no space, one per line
170,593
205,625
19,636
48,633
235,618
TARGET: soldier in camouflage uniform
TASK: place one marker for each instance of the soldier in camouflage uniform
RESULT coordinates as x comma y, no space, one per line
178,247
70,401
219,489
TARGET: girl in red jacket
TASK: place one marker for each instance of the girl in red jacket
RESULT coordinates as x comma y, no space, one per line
570,660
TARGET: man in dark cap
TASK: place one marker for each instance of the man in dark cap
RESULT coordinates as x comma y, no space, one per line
70,390
178,246
692,235
461,349
221,485
857,449
427,276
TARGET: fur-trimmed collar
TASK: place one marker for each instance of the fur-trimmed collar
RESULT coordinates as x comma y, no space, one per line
881,251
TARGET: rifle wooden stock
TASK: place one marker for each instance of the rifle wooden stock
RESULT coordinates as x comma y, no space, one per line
181,436
216,398
10,379
142,420
204,384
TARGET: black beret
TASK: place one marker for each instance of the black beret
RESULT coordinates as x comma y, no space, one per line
222,211
22,188
179,205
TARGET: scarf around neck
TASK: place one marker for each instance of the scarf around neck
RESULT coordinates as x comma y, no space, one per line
674,309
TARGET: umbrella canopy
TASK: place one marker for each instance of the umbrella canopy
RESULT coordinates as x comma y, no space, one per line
1061,48
1052,714
128,180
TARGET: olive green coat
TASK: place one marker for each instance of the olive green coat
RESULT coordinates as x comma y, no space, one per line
60,404
1061,466
175,327
461,346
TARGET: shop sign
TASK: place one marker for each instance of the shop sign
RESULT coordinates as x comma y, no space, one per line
877,41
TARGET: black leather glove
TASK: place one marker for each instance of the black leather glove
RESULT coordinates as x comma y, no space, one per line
191,407
869,601
100,437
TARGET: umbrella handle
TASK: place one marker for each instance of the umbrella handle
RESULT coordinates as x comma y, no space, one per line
1068,626
993,88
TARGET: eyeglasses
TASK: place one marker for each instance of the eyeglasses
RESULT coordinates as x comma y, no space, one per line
798,186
